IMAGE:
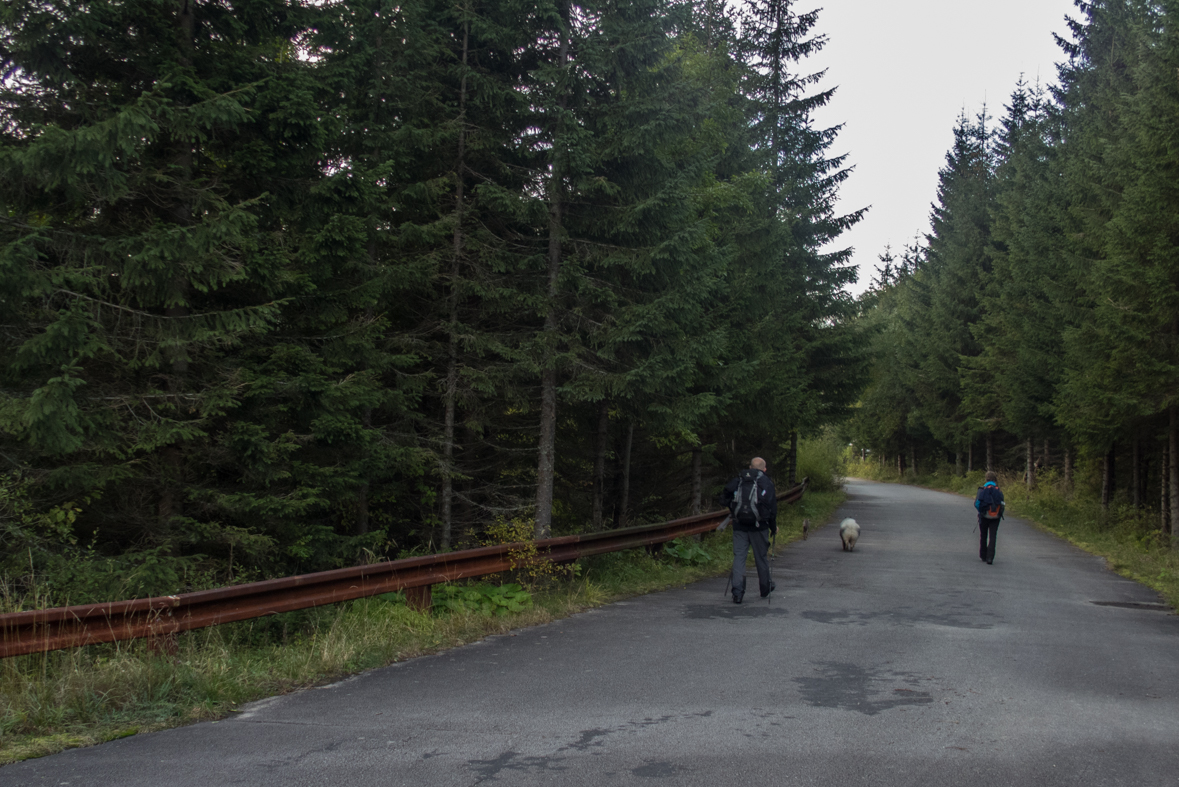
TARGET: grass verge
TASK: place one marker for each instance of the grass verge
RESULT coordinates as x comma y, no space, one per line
54,701
1130,540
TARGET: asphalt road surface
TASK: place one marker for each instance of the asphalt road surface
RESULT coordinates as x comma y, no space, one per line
906,662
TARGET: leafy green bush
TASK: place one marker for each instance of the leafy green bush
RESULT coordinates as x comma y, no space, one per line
688,550
821,459
484,599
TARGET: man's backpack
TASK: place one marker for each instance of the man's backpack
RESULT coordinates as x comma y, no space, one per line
990,504
744,506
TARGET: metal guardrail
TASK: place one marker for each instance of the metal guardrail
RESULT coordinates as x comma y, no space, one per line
40,630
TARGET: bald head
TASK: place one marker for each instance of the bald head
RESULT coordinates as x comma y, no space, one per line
757,463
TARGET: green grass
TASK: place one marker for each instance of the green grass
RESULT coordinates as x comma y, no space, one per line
54,701
1130,541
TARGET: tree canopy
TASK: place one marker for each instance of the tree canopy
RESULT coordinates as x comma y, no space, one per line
289,284
1043,309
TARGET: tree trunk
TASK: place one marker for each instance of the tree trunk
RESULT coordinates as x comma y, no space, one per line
169,504
624,489
792,477
452,306
1107,477
546,460
1173,473
970,457
448,449
913,459
362,509
362,493
1165,486
958,463
1136,473
600,463
990,452
1068,468
697,480
900,464
1031,465
1047,461
546,454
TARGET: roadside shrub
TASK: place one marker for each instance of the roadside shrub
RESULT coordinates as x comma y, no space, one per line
530,568
821,459
484,599
689,551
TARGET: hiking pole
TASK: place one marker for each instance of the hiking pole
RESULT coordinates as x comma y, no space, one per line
773,540
725,523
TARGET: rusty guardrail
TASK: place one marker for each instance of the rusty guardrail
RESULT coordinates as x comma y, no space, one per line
40,630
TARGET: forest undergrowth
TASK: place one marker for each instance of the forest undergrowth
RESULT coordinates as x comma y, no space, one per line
54,701
1129,539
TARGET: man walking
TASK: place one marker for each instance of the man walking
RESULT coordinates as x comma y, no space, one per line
754,505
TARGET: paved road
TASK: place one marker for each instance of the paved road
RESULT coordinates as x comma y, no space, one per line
907,662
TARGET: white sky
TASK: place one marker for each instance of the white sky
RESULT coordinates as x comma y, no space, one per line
905,70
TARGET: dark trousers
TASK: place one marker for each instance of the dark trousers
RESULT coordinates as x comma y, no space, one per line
742,541
988,531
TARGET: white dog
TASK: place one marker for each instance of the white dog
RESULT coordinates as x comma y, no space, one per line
849,533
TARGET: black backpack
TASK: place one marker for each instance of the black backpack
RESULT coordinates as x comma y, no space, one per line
990,504
744,506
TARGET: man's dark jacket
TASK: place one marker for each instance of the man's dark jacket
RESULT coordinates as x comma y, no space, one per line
767,502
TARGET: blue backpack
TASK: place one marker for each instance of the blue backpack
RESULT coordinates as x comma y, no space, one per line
990,502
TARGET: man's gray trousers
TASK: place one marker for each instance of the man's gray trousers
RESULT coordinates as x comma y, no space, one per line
759,540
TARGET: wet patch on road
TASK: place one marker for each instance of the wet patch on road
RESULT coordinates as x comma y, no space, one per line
589,739
592,741
967,619
487,770
865,690
658,770
650,722
758,608
596,738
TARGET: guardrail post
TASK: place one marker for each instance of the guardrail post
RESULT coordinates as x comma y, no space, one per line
419,598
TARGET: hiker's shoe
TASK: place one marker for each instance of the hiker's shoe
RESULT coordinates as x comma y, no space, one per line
737,598
771,590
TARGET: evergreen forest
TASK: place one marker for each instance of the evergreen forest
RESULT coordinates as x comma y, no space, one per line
1035,327
288,285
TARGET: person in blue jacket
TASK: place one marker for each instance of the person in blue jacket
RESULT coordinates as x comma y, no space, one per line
990,506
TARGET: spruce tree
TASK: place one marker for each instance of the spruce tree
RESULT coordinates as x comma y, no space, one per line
956,270
155,155
1130,343
791,291
1012,381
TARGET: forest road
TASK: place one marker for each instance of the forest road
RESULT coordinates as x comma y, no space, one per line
906,662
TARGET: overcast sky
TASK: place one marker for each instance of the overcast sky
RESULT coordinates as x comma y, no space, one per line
905,70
